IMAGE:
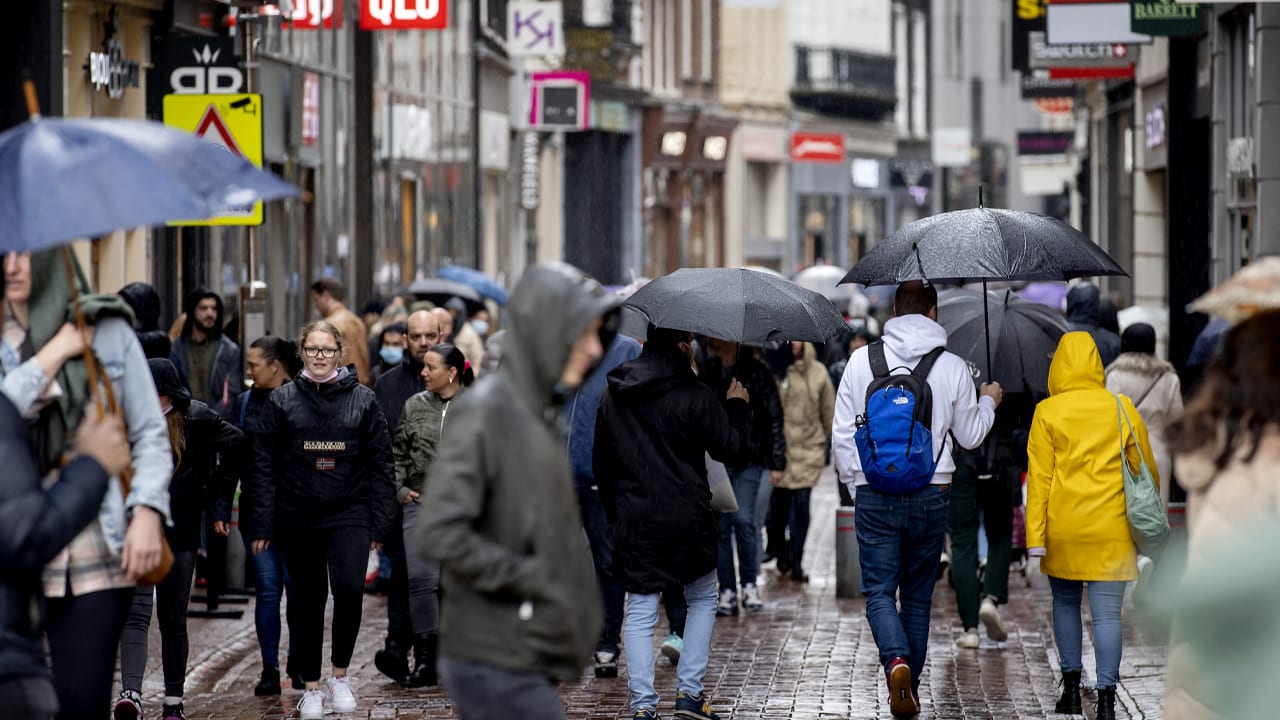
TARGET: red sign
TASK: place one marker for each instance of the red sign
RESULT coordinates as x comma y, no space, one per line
404,14
310,109
817,147
1091,73
310,14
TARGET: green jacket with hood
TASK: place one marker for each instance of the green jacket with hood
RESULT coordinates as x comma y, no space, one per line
417,439
499,511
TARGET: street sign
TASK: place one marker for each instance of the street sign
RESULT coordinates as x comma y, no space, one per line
233,122
560,100
404,14
535,28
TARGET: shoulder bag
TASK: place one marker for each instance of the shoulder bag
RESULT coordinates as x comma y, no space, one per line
1148,519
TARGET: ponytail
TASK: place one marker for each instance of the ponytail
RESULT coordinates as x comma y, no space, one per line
454,358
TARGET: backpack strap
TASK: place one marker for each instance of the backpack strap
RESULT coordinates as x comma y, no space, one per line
925,366
875,355
244,406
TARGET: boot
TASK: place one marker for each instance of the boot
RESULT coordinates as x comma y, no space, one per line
391,661
425,648
1106,703
1069,704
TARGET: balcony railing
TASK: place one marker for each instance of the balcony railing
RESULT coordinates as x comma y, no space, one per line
844,83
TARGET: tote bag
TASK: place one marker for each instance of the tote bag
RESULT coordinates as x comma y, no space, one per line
1148,520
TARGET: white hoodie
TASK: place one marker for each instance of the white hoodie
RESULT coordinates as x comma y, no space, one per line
956,406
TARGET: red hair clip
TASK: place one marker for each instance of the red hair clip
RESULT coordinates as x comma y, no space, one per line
466,364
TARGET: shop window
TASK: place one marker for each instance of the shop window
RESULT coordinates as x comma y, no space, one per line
866,225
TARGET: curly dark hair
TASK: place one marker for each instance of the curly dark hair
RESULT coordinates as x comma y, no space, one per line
1240,393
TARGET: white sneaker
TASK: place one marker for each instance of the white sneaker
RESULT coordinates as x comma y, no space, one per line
989,614
751,598
969,640
312,705
728,604
341,699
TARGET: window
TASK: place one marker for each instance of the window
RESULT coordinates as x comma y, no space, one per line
708,39
902,71
919,74
686,39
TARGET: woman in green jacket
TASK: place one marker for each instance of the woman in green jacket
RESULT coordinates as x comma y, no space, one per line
446,372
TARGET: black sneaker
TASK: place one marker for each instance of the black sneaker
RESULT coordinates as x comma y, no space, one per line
173,712
295,678
392,663
268,684
606,664
128,706
694,708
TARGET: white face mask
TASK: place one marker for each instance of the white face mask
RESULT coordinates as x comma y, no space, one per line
481,327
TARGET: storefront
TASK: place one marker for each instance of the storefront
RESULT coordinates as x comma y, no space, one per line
757,201
841,202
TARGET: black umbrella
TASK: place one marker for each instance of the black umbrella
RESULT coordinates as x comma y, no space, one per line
1025,335
737,304
983,244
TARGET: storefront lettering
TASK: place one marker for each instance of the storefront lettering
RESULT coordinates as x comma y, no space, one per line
1165,11
529,172
112,71
403,14
1155,126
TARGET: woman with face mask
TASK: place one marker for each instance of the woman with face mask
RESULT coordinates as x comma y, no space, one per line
323,490
447,374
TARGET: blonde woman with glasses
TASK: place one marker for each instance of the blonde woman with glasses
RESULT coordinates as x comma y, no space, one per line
325,493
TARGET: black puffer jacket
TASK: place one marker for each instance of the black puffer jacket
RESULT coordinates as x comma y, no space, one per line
1084,312
655,424
768,443
207,467
322,459
395,387
34,527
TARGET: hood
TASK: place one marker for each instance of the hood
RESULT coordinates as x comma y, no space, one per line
145,302
1084,304
168,383
650,374
810,357
1076,365
1140,363
550,307
189,306
911,337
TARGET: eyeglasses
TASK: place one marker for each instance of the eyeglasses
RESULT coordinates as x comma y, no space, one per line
327,352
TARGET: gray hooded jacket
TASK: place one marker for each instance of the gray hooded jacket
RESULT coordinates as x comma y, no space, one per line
499,511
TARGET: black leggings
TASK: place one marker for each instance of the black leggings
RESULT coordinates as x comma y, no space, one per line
315,560
84,633
171,598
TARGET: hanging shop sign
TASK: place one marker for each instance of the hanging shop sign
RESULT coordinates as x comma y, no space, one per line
1090,21
1042,143
232,122
1028,17
535,28
201,66
529,149
817,147
110,70
310,14
1036,87
404,14
1165,17
559,100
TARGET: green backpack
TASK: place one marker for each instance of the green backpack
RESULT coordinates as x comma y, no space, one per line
1148,519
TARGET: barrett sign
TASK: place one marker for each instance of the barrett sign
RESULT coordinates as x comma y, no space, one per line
1165,17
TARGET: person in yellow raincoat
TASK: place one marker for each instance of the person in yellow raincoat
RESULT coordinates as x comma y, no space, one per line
1076,522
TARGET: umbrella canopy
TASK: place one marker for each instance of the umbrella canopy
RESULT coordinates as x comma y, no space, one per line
1208,344
1052,294
825,280
428,288
1024,336
1249,291
737,304
765,270
983,244
63,179
481,283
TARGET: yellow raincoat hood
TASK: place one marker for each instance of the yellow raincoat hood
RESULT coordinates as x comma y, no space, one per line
1076,365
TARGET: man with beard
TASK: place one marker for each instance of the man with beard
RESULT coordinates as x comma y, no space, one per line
394,388
210,360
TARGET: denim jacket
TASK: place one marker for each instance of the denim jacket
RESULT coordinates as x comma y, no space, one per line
124,362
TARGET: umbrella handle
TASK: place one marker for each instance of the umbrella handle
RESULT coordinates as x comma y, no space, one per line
33,102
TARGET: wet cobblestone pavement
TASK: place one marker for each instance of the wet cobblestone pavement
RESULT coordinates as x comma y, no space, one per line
807,655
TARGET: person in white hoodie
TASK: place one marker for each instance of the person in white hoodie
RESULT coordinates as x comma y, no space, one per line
901,536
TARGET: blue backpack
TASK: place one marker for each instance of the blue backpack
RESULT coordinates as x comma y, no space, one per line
895,435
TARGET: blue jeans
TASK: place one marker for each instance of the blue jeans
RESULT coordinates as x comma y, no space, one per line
271,580
744,527
900,541
1105,601
600,537
642,616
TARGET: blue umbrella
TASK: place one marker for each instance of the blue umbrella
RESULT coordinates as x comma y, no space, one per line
478,281
62,179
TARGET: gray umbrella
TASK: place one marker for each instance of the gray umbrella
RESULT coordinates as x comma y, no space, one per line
983,244
428,288
1024,335
739,305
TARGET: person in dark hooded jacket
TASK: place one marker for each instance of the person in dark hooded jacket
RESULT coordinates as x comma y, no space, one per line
655,426
209,360
197,437
324,489
145,302
1084,312
498,511
35,525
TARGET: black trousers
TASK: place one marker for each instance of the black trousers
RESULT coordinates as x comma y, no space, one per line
84,634
399,619
170,600
317,560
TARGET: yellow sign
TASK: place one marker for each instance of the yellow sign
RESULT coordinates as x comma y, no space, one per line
232,122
